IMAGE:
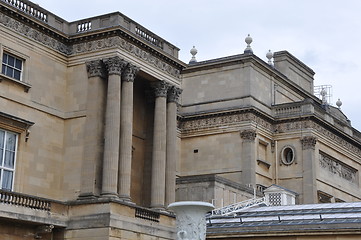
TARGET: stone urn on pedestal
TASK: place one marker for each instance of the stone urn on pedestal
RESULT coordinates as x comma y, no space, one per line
191,219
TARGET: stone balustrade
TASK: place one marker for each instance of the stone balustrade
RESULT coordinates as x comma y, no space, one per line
24,200
112,21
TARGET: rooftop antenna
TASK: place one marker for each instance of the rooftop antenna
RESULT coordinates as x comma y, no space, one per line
248,40
193,51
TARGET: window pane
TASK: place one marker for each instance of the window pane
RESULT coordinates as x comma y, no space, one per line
7,180
9,72
3,69
10,141
17,74
18,64
11,60
9,159
2,136
5,58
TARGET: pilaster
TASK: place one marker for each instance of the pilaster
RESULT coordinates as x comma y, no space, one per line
93,132
309,169
248,157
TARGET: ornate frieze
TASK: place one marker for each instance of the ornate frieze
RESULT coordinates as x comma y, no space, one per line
217,120
174,94
308,142
338,168
96,69
248,135
34,34
116,41
160,89
115,65
130,72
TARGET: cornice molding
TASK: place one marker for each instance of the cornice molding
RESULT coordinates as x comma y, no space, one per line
71,48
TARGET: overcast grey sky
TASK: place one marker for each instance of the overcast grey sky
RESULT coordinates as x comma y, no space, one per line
324,34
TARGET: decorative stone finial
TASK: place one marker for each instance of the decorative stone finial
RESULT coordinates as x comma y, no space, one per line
323,95
339,104
193,51
269,56
248,40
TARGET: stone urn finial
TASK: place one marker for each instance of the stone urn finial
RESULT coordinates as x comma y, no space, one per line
191,219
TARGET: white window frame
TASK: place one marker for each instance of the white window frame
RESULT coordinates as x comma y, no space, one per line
2,159
13,68
24,73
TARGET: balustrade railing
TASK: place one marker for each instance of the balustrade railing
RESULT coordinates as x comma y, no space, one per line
28,8
18,199
147,214
148,36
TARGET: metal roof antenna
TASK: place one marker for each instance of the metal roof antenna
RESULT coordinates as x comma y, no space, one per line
248,40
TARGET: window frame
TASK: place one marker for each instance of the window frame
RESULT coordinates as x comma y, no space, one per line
5,66
24,74
2,159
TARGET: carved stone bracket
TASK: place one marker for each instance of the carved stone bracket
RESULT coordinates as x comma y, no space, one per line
129,73
115,65
96,69
248,135
174,94
308,142
160,89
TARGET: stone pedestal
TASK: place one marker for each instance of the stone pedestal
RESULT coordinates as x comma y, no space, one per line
191,219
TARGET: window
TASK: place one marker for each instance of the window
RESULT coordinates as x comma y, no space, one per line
12,66
288,155
8,143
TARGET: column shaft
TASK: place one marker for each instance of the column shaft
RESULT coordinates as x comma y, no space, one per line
126,133
111,141
172,153
309,170
159,147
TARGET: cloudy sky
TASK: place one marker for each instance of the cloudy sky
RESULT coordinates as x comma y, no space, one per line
324,34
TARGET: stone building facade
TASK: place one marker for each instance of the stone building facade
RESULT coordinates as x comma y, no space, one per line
102,126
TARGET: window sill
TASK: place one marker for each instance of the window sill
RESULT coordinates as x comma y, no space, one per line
25,85
267,164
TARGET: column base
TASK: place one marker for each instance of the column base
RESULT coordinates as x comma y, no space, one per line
126,199
87,196
109,195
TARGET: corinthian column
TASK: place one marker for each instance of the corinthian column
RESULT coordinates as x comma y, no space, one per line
171,154
112,127
159,146
126,132
93,131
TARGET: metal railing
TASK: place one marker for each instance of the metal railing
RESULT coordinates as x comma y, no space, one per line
233,208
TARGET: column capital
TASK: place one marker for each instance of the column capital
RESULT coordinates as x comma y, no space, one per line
248,135
160,89
129,73
95,69
174,94
115,65
308,142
